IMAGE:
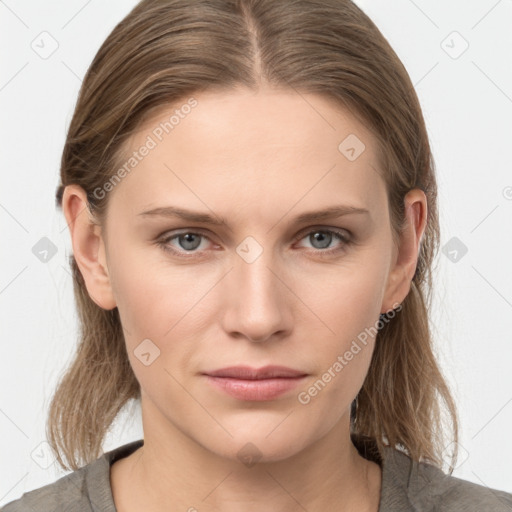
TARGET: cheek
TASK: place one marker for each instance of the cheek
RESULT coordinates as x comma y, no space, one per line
167,305
341,359
344,299
346,307
153,297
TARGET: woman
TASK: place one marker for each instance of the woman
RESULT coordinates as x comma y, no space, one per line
251,198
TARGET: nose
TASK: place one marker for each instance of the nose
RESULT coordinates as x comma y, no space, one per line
259,304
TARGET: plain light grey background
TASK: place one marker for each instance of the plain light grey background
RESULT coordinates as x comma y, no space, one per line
458,56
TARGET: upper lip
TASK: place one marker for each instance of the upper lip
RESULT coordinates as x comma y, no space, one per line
248,373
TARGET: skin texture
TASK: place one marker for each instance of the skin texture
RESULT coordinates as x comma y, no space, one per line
257,160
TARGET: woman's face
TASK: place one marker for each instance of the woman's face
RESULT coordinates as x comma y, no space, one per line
259,286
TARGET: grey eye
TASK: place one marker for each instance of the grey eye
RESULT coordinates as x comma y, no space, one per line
323,238
189,242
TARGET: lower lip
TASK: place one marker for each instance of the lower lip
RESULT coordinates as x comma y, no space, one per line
257,390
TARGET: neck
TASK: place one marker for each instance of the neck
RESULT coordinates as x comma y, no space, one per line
172,472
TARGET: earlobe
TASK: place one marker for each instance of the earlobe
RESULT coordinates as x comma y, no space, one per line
88,246
406,257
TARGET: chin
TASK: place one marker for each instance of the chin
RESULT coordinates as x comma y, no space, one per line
251,446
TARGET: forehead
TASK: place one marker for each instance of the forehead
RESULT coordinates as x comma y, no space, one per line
271,149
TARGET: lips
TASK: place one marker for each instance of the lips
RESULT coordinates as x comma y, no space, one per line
247,373
255,384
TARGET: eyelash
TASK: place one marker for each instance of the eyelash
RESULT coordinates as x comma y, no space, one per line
346,242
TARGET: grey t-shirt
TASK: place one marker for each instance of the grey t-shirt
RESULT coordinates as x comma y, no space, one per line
406,486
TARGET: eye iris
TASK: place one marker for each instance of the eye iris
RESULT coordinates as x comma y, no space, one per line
323,237
187,237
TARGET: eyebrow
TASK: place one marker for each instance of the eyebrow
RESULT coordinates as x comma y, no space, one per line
205,218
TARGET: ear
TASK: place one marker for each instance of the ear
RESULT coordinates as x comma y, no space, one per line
406,255
88,246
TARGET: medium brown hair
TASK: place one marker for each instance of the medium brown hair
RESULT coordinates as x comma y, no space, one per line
165,51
